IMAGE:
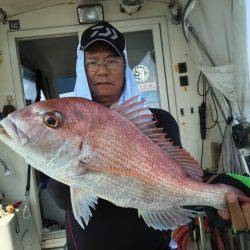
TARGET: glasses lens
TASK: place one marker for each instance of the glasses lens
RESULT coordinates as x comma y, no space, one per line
110,64
113,63
92,66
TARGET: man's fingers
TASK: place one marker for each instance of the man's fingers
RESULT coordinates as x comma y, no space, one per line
224,214
243,198
246,210
237,217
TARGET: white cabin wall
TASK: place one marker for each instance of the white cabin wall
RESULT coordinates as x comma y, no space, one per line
65,15
186,98
13,186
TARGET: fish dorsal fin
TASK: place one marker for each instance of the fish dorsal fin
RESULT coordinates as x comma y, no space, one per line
136,112
169,219
133,110
81,202
121,106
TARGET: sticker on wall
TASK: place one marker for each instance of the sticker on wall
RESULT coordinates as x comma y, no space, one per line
14,24
146,86
141,73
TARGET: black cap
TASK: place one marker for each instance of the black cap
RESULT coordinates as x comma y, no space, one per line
103,31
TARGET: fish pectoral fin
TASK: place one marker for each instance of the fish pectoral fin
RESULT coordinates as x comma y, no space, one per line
168,219
81,202
78,168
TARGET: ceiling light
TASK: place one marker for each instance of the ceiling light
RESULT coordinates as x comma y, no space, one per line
175,12
131,6
90,13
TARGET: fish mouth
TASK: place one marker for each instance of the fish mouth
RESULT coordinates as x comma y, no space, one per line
10,132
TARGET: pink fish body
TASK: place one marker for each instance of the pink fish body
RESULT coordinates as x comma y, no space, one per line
114,153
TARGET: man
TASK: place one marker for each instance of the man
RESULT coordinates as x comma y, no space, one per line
104,76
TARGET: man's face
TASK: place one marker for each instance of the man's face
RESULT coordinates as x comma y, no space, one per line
106,83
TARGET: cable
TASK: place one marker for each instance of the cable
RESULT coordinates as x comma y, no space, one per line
217,116
27,188
202,112
202,151
17,226
198,86
204,91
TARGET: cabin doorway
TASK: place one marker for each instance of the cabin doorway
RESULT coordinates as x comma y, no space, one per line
48,71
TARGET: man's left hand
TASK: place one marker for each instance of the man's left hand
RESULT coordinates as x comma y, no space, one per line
238,213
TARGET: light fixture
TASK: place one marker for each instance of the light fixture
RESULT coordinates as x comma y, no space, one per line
131,6
90,13
175,12
3,16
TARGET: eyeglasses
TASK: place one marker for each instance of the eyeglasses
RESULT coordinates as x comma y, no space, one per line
110,64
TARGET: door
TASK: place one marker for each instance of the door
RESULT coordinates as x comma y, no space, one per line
146,63
141,58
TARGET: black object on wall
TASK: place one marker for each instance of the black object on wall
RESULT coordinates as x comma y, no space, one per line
7,109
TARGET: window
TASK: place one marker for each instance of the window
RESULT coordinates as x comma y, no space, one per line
65,86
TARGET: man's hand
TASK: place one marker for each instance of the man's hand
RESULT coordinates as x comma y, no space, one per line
239,214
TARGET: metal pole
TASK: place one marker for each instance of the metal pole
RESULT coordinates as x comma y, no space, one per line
202,232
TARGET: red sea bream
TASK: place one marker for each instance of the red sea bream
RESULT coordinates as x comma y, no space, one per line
114,153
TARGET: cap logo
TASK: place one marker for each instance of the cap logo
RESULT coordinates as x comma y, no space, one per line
111,33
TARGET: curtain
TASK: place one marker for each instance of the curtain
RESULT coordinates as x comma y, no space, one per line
221,29
217,38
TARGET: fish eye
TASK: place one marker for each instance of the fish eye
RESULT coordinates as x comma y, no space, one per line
52,119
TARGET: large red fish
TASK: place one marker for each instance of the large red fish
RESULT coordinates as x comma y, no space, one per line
114,153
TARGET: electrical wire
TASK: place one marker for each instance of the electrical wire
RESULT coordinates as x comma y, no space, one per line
216,111
204,93
216,120
202,113
17,226
198,87
202,151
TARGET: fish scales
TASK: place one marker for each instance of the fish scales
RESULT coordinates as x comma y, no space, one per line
152,197
111,142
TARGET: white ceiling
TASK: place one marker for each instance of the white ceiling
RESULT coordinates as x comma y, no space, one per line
13,7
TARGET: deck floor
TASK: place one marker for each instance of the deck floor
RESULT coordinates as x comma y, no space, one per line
54,240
